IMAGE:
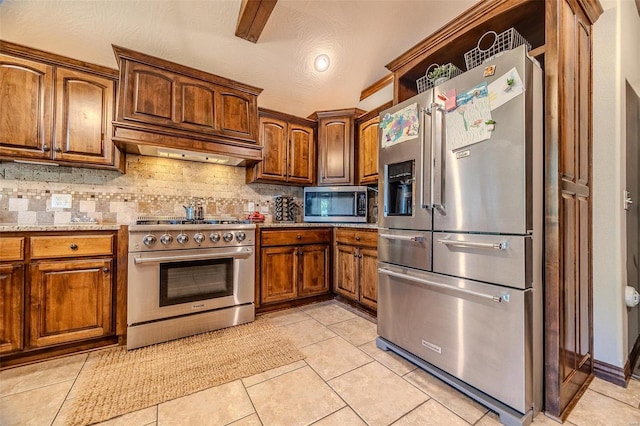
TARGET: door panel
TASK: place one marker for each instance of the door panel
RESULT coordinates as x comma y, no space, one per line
278,266
314,269
273,136
369,277
301,154
346,264
26,89
11,307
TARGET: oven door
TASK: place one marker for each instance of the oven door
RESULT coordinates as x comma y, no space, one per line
180,282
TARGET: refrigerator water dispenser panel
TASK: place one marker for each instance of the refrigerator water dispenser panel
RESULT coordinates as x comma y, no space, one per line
400,179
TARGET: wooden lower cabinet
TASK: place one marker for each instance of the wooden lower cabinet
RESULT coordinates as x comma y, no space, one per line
11,302
58,293
293,264
356,271
70,301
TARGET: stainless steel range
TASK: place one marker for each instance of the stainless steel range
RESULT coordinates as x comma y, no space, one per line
188,277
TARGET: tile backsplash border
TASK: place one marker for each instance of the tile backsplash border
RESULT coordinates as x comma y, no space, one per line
151,186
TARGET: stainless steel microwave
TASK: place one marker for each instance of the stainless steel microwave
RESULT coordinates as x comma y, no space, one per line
335,204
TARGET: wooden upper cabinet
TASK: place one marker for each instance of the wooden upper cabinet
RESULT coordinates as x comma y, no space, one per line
168,105
26,103
336,146
288,150
84,112
368,151
37,86
301,154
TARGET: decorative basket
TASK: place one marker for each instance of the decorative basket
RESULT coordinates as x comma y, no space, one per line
425,82
506,40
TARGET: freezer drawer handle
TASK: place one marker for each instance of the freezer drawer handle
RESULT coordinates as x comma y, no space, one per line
497,299
498,246
416,238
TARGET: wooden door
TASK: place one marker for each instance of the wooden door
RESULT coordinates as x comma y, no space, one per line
273,137
149,94
26,108
346,275
368,151
195,107
84,112
279,272
58,289
301,155
568,286
335,150
11,307
368,277
313,269
237,114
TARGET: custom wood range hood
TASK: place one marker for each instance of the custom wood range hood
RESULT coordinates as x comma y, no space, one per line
167,109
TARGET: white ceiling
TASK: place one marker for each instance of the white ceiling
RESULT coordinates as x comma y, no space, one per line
361,37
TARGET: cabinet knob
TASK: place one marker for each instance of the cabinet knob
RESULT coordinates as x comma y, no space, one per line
299,236
360,256
46,148
105,269
73,246
355,254
58,149
357,237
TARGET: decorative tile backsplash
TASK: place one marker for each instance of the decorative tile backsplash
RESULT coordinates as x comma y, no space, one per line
151,186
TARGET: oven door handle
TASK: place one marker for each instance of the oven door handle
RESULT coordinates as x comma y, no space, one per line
497,299
245,252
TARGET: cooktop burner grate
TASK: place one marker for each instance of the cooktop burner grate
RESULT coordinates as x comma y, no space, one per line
177,220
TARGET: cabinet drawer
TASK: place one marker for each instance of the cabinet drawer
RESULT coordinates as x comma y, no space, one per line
71,246
295,236
357,237
11,248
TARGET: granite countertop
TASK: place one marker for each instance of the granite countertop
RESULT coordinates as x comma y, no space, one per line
60,227
317,225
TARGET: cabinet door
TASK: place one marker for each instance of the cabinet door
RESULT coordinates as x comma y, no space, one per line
84,112
70,301
313,269
368,277
26,102
346,276
278,266
368,151
149,94
301,158
273,136
195,105
335,150
11,307
238,114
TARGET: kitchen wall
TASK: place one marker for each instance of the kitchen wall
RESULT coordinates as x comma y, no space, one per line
151,186
616,58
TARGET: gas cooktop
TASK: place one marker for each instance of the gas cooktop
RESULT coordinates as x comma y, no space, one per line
176,220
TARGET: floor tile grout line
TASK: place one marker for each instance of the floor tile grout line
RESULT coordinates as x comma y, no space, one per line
273,377
255,410
614,398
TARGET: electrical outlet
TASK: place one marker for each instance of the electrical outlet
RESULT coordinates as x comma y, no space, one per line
251,207
61,201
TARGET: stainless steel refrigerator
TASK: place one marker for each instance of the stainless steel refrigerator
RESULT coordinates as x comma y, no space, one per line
460,238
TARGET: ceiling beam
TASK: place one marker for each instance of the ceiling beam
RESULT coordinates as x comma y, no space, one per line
252,18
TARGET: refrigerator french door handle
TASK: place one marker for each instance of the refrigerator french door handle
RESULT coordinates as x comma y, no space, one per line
437,149
497,299
415,238
473,244
423,184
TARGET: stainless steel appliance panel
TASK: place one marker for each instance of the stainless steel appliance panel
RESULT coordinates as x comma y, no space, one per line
487,186
413,194
497,259
460,327
405,247
143,291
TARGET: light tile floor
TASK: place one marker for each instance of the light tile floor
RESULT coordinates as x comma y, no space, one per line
344,380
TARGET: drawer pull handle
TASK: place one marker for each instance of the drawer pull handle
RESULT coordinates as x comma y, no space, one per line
73,246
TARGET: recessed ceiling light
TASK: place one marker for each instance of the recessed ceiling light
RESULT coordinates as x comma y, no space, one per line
321,63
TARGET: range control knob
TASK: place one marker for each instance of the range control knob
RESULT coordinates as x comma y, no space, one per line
166,239
182,238
214,237
240,236
198,237
149,240
228,236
